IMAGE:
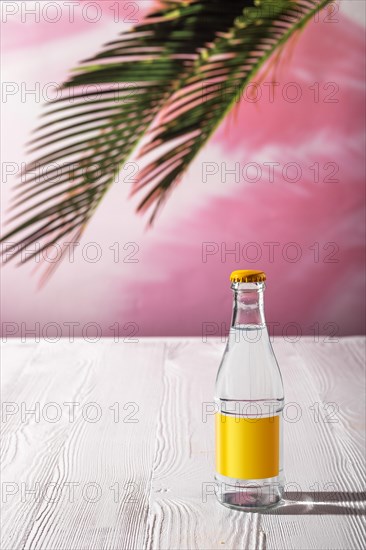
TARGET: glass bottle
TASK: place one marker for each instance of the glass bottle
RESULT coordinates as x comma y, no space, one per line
249,401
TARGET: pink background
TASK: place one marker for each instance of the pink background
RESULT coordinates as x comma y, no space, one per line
170,290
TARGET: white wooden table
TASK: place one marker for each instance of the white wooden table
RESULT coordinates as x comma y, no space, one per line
117,454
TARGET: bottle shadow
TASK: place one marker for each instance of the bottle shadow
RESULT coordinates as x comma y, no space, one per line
321,503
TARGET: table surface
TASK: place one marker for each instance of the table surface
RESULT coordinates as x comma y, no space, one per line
117,454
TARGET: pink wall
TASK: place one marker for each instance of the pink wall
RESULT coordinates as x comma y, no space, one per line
174,287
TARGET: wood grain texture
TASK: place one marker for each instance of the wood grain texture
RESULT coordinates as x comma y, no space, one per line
104,481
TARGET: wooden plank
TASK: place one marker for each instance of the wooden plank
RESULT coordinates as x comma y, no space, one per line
163,466
110,461
15,357
182,516
315,463
338,370
317,460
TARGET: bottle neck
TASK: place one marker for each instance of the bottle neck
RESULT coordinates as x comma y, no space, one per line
248,309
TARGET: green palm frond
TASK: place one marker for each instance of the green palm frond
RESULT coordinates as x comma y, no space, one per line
152,77
218,78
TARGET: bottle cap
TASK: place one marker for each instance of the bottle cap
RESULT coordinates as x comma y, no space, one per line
247,276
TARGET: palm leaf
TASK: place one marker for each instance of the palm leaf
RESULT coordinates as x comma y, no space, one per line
220,75
86,147
158,67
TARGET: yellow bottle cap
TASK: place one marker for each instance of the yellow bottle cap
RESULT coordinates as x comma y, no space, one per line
247,276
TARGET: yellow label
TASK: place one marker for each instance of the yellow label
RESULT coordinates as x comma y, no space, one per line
247,448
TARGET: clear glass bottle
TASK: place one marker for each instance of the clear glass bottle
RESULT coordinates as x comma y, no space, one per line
249,401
